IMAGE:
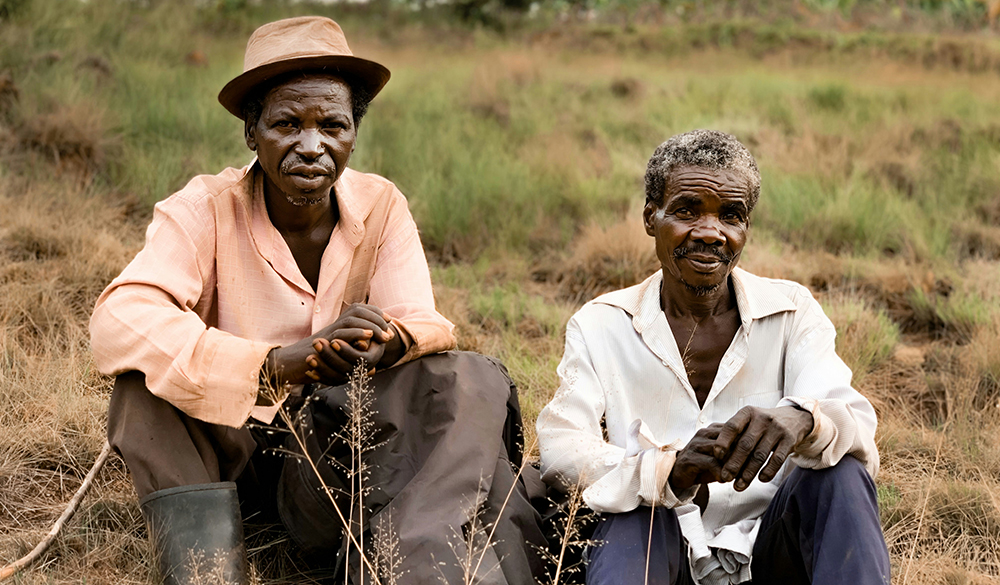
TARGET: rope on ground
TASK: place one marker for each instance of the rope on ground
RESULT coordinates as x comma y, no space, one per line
29,558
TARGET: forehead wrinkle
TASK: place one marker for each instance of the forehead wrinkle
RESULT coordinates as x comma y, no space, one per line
327,108
327,88
722,187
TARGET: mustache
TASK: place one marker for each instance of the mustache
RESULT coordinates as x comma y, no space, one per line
289,164
703,249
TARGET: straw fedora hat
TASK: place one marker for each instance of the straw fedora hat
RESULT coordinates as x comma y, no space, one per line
299,44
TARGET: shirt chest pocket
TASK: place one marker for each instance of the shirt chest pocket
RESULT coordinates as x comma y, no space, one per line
767,399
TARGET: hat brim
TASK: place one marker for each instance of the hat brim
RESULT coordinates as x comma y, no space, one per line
369,74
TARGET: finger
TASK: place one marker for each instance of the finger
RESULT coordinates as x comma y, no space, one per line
703,441
732,429
351,323
745,445
354,335
688,466
781,452
756,460
704,468
710,432
328,361
321,369
371,356
369,313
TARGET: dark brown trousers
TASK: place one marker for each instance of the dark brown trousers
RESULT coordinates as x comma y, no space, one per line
164,448
449,430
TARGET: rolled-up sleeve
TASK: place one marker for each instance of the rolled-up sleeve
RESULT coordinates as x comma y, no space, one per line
401,286
817,380
146,320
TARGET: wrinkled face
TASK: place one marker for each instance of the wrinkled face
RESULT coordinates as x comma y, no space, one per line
304,137
700,228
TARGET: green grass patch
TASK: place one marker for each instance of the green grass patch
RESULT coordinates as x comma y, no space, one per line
866,337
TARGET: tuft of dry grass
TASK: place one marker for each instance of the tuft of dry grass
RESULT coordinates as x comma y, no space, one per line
606,258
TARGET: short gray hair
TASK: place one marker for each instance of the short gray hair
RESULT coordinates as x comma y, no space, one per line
706,149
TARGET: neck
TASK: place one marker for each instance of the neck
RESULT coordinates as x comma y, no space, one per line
289,218
679,300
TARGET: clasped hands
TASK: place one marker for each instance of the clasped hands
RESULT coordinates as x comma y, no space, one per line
753,440
361,332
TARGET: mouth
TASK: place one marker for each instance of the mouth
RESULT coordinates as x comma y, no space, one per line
309,173
704,263
308,179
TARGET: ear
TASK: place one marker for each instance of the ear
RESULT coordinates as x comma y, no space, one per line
250,134
647,218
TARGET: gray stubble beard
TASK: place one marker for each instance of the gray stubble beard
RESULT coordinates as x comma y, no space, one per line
304,201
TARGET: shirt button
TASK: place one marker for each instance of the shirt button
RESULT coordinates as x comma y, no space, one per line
317,309
702,419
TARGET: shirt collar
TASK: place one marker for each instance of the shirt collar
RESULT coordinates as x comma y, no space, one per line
756,298
354,201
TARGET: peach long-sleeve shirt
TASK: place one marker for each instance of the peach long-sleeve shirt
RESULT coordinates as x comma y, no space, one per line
215,288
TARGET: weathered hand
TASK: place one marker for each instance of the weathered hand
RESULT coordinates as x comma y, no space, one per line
363,325
362,332
696,462
334,360
753,435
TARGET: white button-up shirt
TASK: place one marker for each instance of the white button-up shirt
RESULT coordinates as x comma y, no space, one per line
622,374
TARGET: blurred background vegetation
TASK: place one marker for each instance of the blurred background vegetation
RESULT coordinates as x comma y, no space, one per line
520,132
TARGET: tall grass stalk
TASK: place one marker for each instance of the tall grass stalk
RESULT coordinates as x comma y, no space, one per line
359,381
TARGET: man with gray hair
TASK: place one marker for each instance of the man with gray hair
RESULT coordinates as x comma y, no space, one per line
702,375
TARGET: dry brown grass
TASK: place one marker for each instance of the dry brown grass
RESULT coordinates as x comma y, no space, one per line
58,247
937,401
936,388
606,258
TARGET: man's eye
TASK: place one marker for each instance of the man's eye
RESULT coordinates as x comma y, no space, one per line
684,213
733,217
283,124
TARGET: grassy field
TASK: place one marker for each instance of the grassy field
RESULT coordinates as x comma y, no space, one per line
522,156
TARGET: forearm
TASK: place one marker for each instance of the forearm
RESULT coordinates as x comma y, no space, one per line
206,373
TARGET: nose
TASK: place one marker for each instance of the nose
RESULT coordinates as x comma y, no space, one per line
708,230
310,145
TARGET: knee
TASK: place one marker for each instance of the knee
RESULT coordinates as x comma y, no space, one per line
848,470
462,368
849,476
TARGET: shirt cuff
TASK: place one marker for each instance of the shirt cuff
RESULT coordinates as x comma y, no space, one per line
655,481
424,338
823,432
405,338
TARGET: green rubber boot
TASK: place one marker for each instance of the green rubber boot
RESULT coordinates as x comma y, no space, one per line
197,534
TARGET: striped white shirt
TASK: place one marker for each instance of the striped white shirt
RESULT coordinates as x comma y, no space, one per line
622,364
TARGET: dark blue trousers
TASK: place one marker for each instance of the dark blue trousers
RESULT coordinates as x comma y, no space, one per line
821,528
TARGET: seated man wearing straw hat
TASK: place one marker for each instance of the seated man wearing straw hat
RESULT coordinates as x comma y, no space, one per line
281,278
